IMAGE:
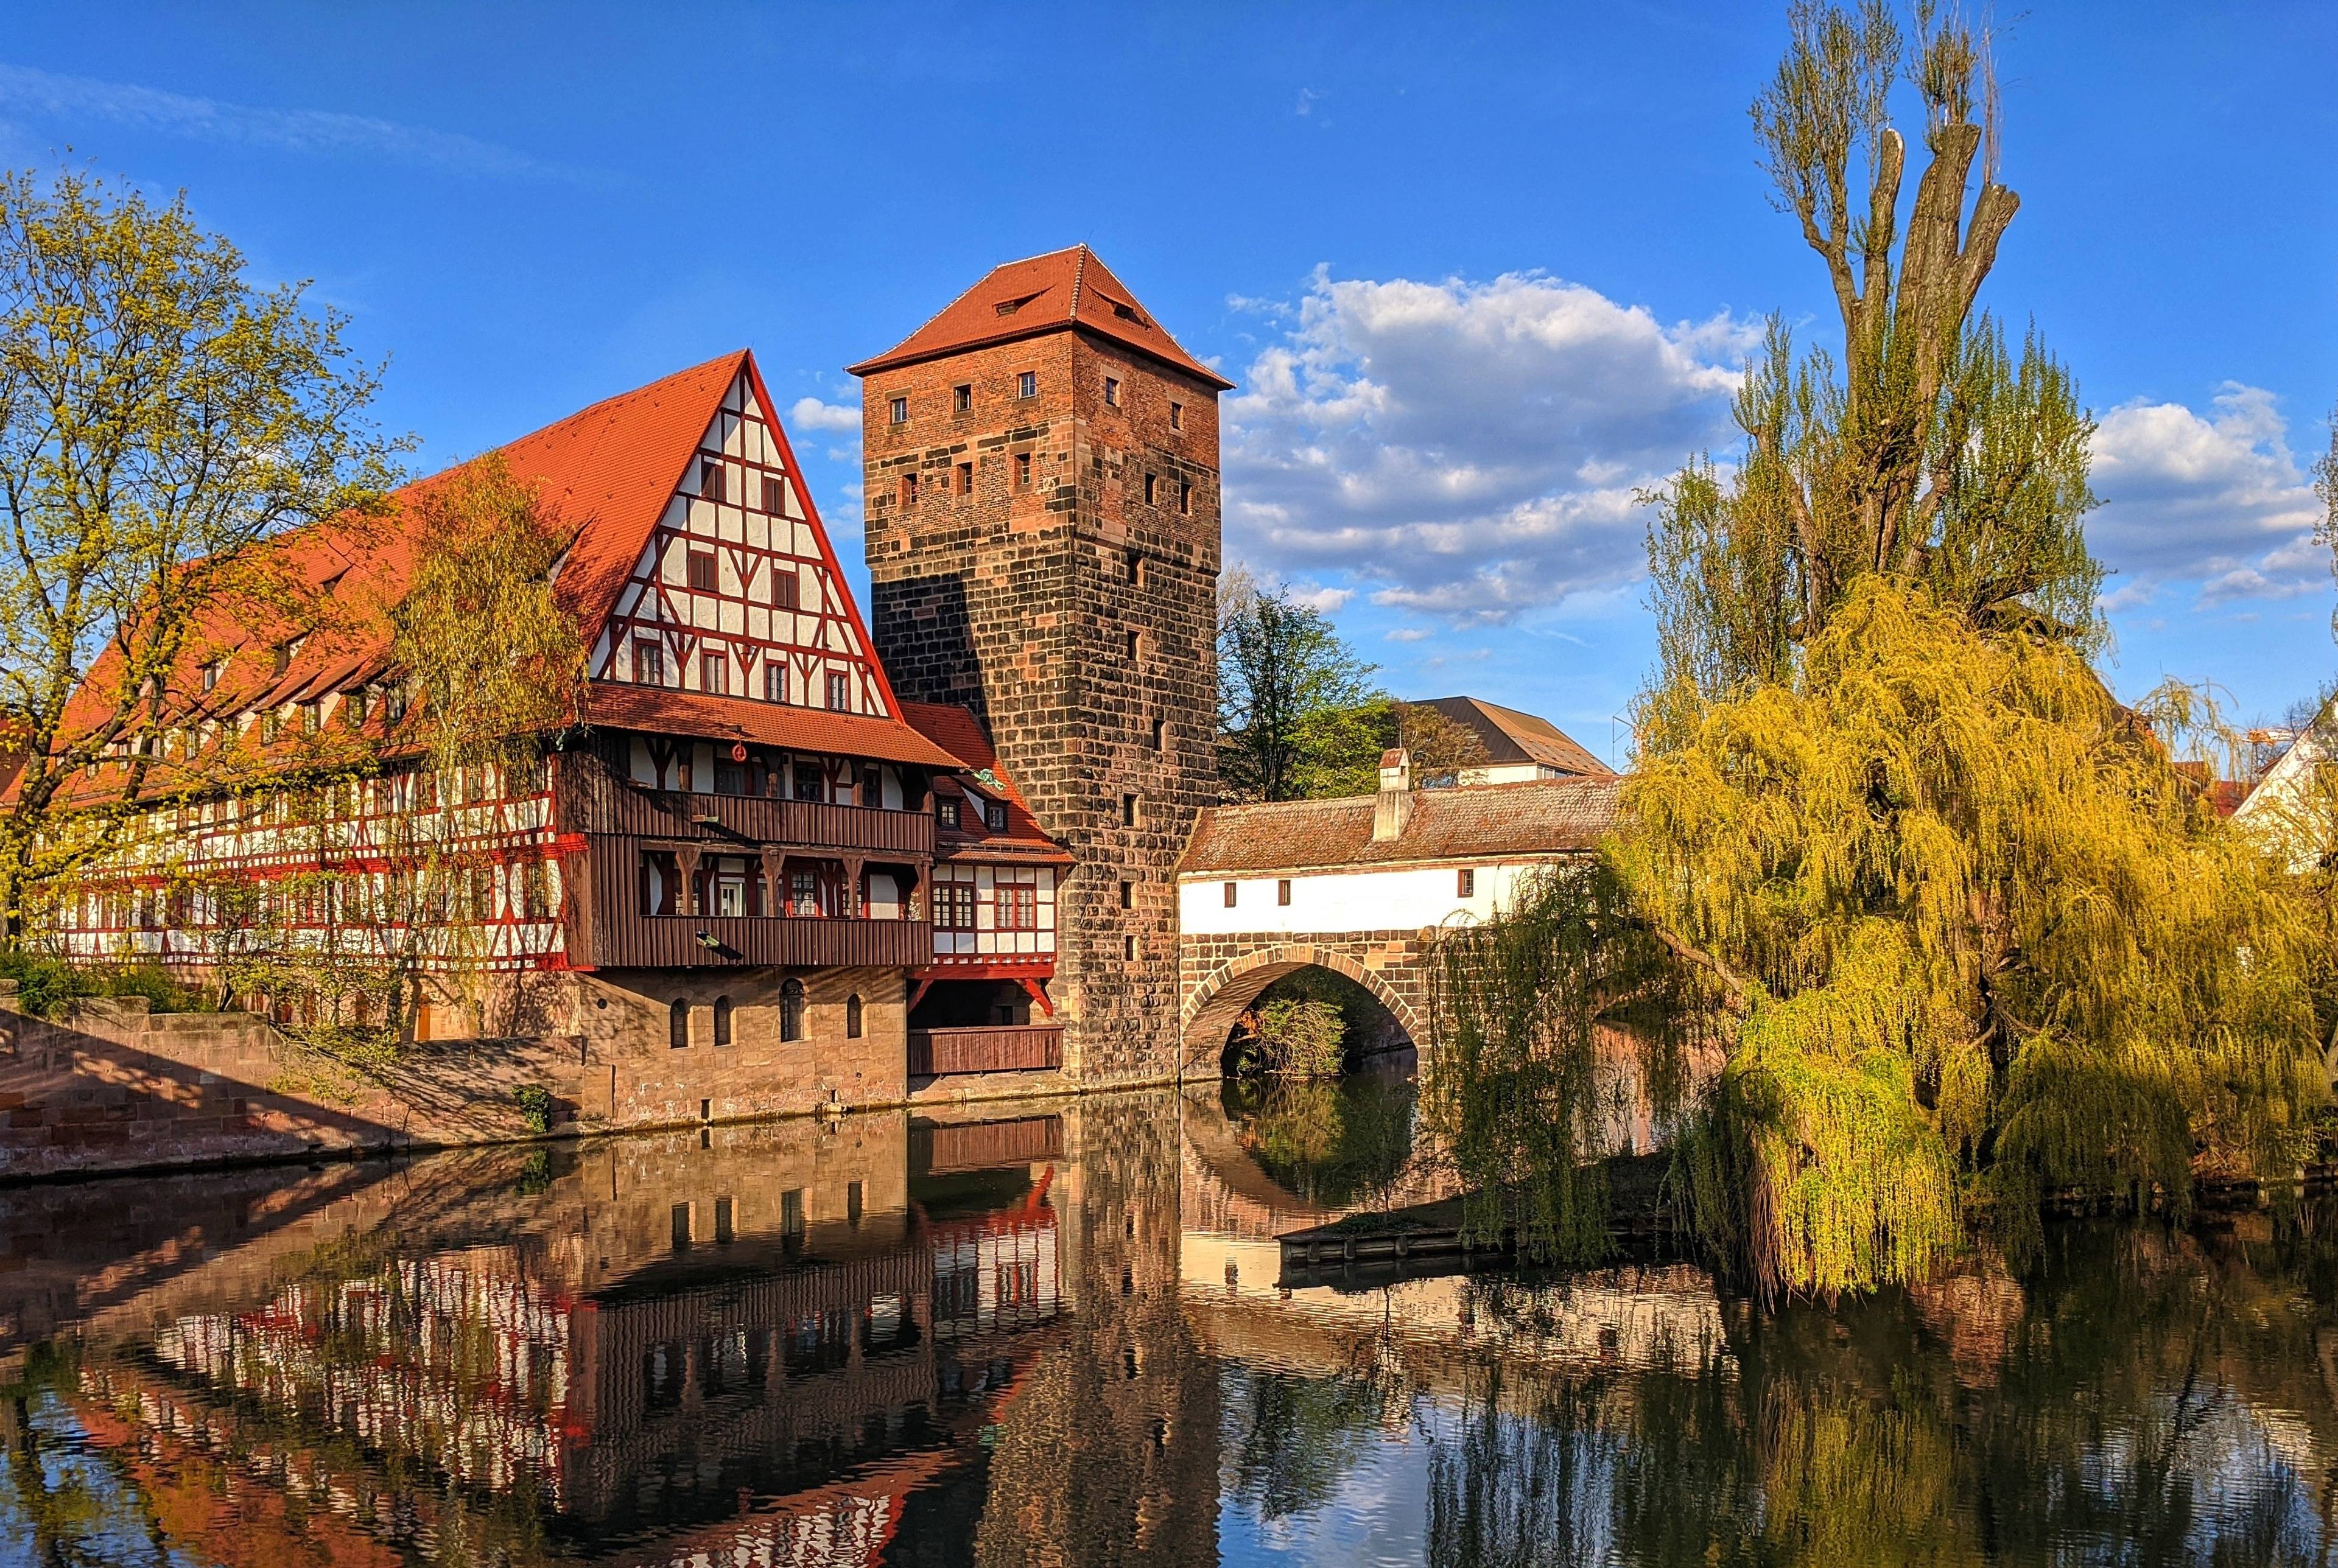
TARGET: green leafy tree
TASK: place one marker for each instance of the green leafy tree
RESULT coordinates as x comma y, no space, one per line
1938,922
1290,693
162,423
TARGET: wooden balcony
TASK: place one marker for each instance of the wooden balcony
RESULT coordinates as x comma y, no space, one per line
630,941
992,1048
595,799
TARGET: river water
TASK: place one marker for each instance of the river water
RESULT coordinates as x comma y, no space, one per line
1057,1334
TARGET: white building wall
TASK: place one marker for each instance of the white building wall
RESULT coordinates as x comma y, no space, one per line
1394,898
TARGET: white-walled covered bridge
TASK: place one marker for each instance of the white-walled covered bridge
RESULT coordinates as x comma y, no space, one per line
1360,887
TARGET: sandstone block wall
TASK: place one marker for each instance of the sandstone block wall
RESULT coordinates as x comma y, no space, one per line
1012,579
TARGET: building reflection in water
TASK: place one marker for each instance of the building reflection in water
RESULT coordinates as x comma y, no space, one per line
771,1341
1061,1335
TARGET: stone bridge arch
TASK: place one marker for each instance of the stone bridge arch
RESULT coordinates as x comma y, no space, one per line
1221,978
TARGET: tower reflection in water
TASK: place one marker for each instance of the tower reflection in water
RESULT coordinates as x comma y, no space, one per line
795,1343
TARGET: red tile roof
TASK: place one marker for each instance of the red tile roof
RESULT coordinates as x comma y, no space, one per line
1482,822
618,705
1050,293
1512,737
960,733
607,472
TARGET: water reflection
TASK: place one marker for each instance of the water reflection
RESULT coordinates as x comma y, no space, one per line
1061,1335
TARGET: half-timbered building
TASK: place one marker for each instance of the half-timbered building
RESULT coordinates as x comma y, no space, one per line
745,844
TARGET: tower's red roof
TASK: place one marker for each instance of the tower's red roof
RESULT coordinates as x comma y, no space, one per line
1050,293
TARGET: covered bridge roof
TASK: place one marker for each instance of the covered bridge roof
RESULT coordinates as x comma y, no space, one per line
1485,822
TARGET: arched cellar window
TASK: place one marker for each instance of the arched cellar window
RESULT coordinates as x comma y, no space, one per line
678,1024
852,1017
723,1020
791,1009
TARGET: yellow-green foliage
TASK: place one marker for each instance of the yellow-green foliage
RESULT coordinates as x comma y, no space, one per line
1977,922
1299,1038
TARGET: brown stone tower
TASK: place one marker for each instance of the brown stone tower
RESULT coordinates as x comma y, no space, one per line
1040,463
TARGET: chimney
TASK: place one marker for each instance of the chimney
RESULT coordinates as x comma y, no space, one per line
1394,808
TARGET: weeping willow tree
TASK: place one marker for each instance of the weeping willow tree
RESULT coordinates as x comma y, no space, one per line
1954,926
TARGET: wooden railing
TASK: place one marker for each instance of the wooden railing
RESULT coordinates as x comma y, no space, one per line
596,800
631,941
948,1148
994,1048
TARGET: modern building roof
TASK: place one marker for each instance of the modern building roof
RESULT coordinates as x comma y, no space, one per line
1512,737
1052,293
1537,817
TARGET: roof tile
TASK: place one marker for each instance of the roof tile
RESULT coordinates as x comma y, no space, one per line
1537,817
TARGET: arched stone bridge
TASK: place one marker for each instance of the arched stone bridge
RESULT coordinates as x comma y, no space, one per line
1362,886
1220,976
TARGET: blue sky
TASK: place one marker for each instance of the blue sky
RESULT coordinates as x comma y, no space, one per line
1478,271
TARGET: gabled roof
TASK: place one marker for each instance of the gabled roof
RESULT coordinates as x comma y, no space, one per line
607,472
1533,818
1051,293
1512,737
958,731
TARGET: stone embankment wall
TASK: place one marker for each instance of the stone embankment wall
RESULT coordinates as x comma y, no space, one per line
110,1087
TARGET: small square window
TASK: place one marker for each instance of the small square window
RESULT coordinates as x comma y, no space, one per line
1112,390
965,478
711,486
1465,883
1233,891
1022,470
909,489
839,692
1176,415
1027,383
785,583
714,674
774,498
702,572
962,398
1282,892
900,410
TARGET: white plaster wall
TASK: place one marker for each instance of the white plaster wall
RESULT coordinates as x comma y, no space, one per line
1399,898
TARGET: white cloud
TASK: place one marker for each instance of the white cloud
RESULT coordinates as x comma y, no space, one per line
812,413
313,130
1470,447
1326,600
2219,500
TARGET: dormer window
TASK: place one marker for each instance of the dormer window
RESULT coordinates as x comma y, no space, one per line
1008,306
211,674
946,812
994,815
